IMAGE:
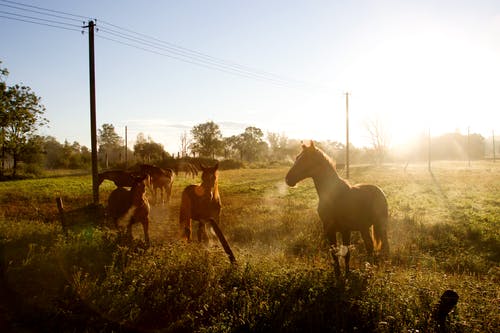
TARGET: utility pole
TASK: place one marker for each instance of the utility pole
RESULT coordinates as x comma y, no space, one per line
429,152
468,145
126,147
93,122
347,135
493,135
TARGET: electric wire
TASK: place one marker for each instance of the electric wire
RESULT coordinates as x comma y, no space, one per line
45,9
39,12
40,23
199,54
144,42
208,66
191,59
39,19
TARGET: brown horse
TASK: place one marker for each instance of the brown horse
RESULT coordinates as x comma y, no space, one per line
343,208
187,167
121,178
130,206
202,203
161,180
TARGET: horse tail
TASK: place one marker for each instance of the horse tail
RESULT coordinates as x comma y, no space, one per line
380,241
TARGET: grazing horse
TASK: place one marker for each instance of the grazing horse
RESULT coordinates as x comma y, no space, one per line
186,167
161,180
121,178
342,208
202,203
131,206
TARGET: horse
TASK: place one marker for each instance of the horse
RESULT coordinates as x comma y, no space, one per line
186,167
121,178
161,180
131,206
343,208
202,203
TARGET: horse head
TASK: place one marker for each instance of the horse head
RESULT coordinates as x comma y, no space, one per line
307,164
209,177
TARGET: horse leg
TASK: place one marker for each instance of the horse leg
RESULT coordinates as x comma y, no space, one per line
145,227
346,241
202,232
331,236
129,229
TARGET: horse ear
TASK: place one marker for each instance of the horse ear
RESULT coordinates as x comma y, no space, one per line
311,144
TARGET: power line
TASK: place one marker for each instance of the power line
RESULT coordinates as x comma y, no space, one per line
145,43
202,55
39,23
182,56
39,12
45,9
205,65
39,19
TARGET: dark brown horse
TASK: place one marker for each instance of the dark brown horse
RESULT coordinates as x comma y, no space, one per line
130,206
202,203
121,178
343,208
161,180
187,167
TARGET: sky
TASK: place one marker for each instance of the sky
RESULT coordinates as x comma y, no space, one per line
163,67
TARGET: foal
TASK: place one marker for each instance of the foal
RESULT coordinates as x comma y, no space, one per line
131,206
202,203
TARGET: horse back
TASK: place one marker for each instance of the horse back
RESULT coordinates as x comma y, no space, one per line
372,199
354,207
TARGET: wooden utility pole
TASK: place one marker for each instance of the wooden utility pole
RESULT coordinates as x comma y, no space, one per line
493,135
347,135
93,122
468,145
429,151
126,147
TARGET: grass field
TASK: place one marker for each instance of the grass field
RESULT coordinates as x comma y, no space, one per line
444,234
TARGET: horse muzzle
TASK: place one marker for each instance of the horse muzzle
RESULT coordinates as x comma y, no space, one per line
290,182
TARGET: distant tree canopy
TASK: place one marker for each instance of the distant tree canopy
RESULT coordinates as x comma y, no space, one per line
21,114
148,150
110,145
207,139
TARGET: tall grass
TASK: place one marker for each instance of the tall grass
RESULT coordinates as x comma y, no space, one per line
444,235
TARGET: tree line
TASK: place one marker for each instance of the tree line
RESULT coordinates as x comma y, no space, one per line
24,151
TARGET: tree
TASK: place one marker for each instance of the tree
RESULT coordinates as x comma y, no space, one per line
277,145
252,144
3,113
233,147
21,116
110,144
148,150
379,137
184,145
207,139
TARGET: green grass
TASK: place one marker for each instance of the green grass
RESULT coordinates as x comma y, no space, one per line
444,234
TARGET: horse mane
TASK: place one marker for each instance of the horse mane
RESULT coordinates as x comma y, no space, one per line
333,165
327,158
